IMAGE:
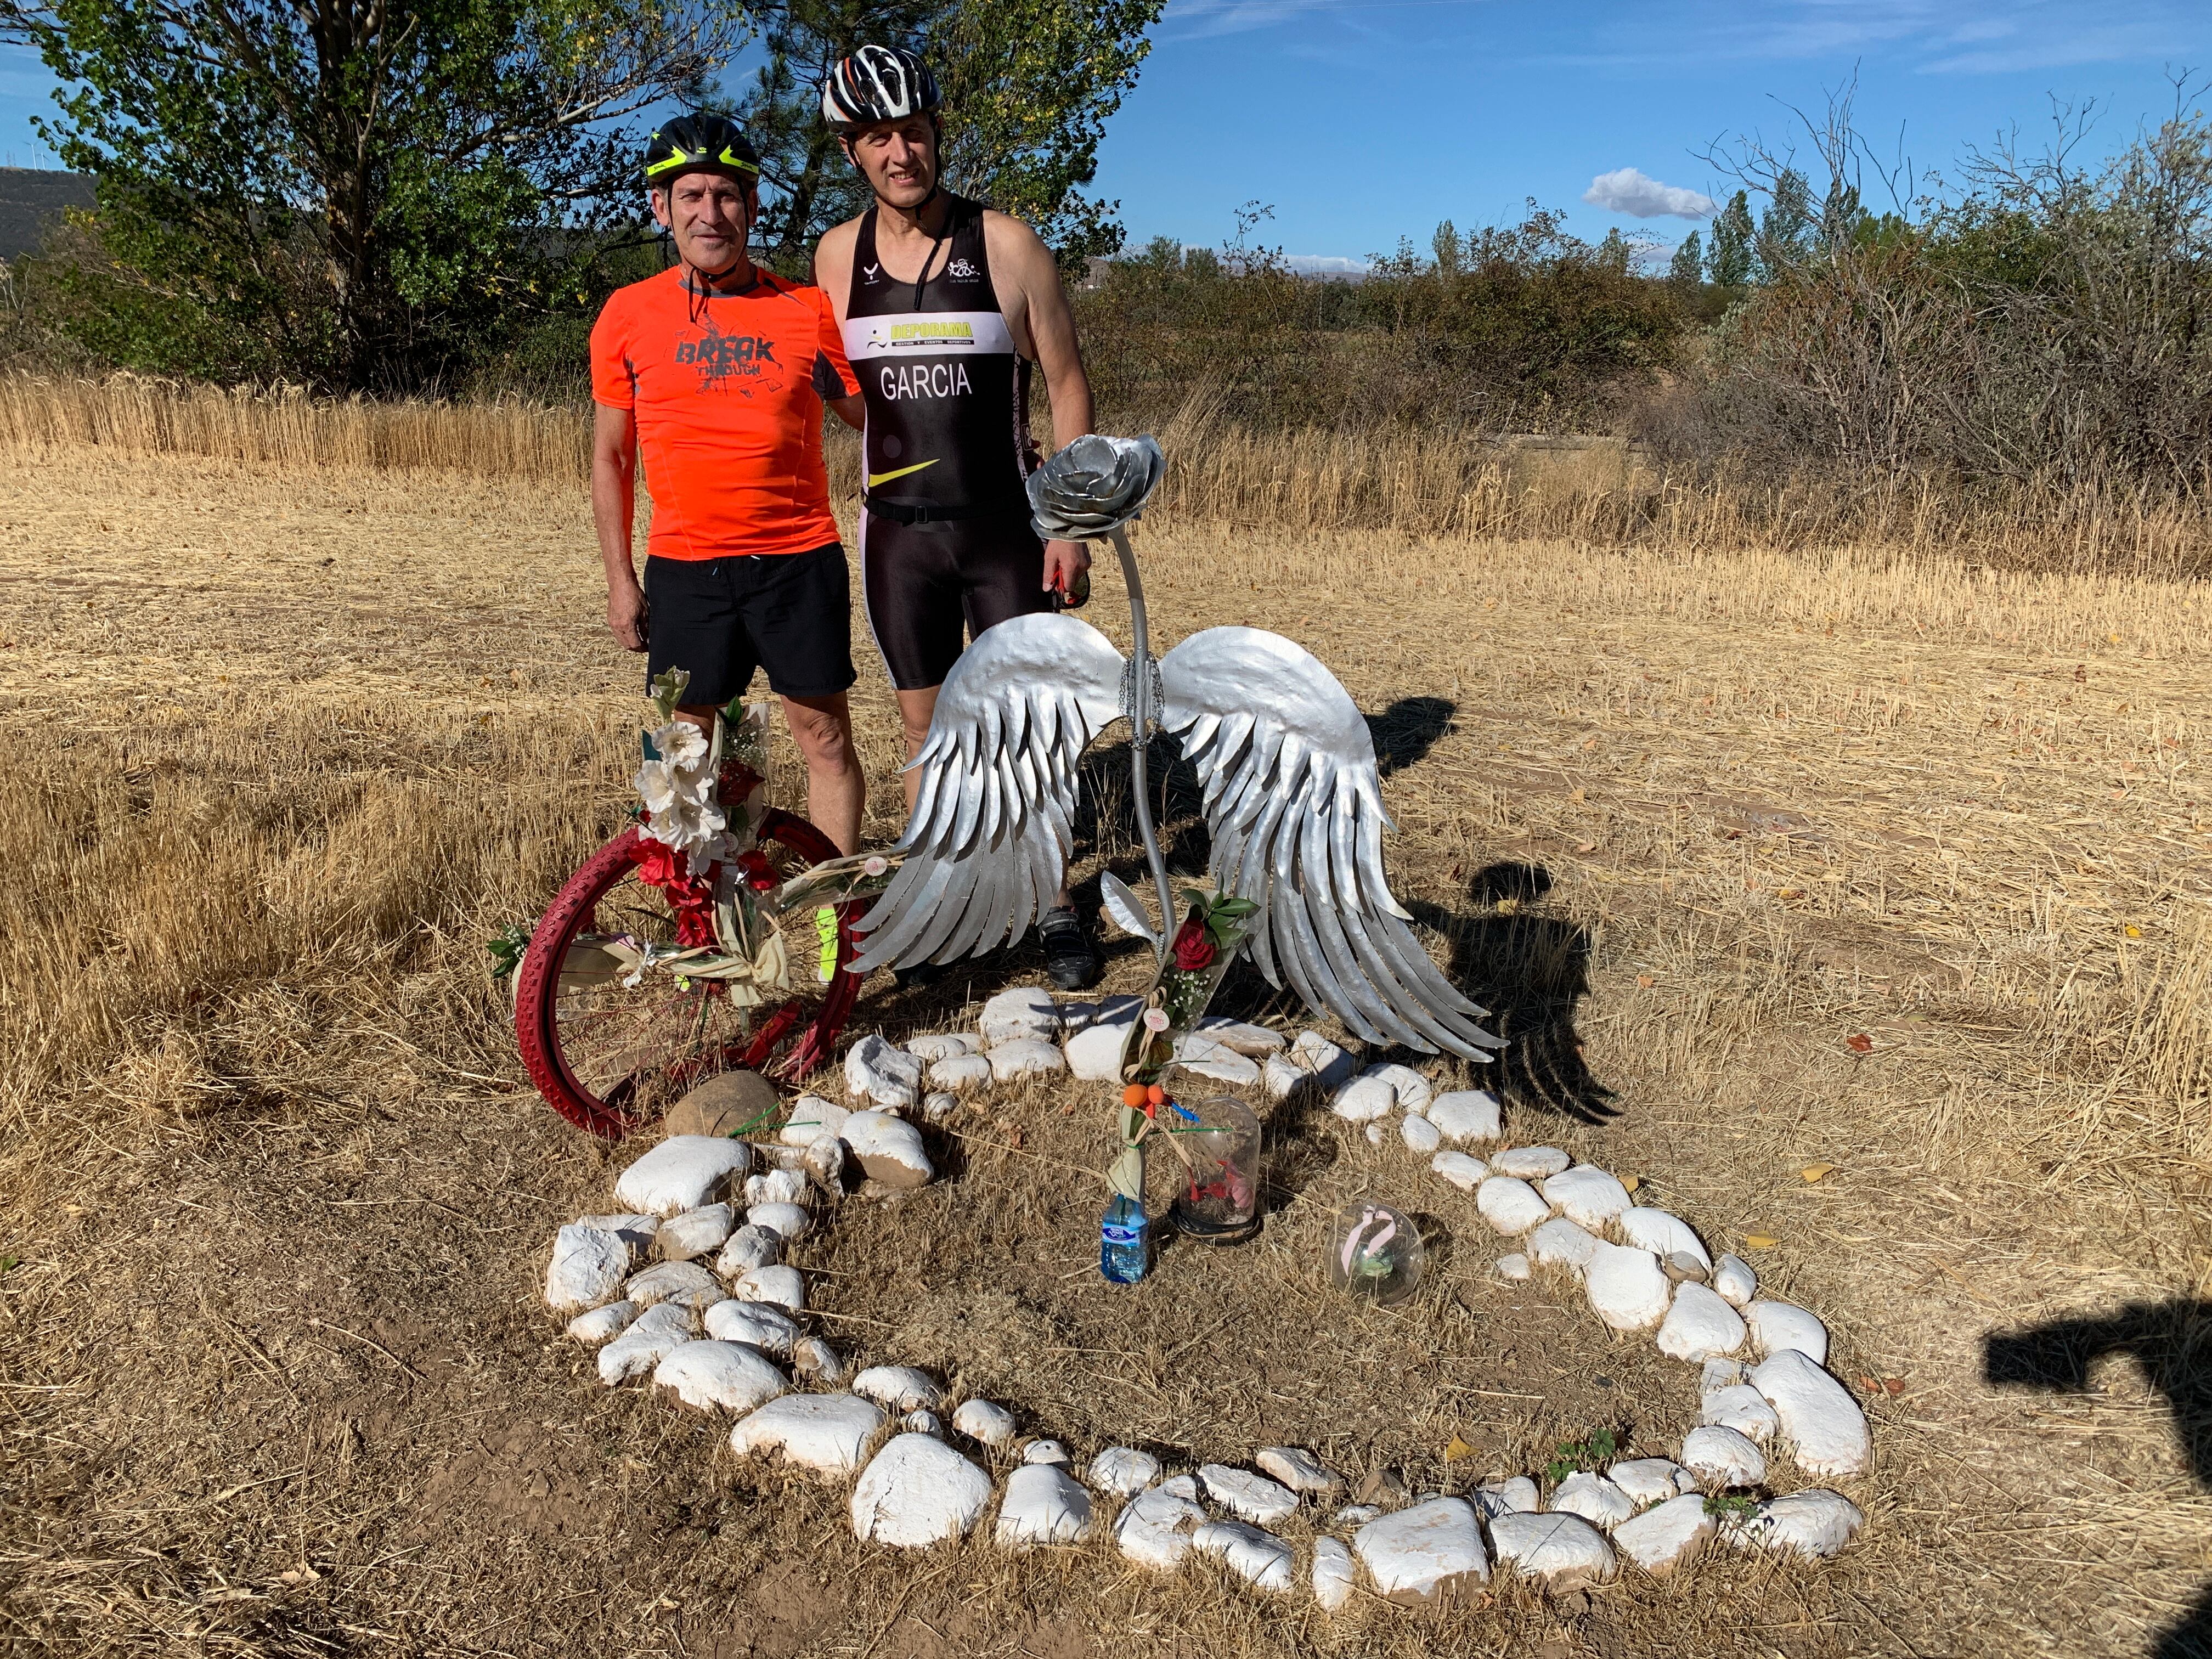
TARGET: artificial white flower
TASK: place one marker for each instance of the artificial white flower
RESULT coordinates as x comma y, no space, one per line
681,744
656,785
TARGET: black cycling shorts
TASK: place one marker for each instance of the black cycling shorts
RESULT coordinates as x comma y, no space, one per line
927,583
790,613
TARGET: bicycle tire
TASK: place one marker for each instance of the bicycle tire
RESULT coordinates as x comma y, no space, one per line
790,1042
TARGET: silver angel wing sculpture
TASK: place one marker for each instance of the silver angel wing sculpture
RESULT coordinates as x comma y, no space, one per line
1290,792
987,843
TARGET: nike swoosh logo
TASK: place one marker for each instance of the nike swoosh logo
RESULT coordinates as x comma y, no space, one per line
875,478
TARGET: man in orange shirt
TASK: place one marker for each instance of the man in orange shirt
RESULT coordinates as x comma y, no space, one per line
714,372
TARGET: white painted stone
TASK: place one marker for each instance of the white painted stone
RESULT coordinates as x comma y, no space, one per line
917,1491
1662,1234
1248,1495
1046,1451
757,1324
1423,1551
1777,1326
1298,1469
888,1148
1094,1054
1560,1243
1333,1574
1375,1132
788,1222
1259,1558
900,1388
749,1247
1742,1408
1123,1471
1419,1135
603,1324
1722,1458
1826,1431
1513,1268
1529,1163
1588,1195
1700,1326
684,1172
960,1073
1815,1522
1560,1551
1509,1205
1364,1100
777,1156
727,1377
1517,1496
812,1117
1252,1042
1154,1529
1625,1287
779,1284
983,1420
1661,1539
1464,1172
633,1228
1594,1497
1355,1515
817,1361
1649,1480
1412,1091
937,1108
686,1282
777,1186
1721,1374
1314,1054
1734,1279
587,1269
649,1338
1181,1486
823,1163
1201,1056
1043,1505
1111,1008
1280,1076
1467,1116
942,1046
824,1433
878,1075
921,1423
1027,1011
1020,1057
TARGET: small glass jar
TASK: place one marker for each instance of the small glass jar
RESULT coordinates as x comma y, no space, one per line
1217,1200
1375,1253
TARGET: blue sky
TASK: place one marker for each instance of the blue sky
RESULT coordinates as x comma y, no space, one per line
1362,121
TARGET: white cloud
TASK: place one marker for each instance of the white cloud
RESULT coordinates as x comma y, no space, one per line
1628,190
1325,265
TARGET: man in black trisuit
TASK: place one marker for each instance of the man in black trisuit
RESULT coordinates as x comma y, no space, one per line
945,305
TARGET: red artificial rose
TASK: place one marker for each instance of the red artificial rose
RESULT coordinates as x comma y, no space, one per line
1193,947
692,899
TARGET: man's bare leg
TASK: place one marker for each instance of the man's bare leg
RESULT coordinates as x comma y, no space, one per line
836,791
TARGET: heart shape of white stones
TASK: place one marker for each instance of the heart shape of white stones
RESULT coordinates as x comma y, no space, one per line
721,1339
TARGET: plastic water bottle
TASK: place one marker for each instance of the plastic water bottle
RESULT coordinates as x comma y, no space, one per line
1123,1236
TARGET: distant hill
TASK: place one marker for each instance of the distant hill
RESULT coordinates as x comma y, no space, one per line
32,200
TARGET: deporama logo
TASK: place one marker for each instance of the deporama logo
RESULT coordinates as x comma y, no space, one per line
924,380
931,334
720,357
965,270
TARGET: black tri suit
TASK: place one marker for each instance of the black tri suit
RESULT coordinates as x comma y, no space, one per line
945,543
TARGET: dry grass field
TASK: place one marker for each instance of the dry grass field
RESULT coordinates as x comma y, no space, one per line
1841,858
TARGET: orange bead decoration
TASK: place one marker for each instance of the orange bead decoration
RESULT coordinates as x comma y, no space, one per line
1134,1096
1157,1095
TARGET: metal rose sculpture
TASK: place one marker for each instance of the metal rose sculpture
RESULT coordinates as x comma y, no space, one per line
1094,486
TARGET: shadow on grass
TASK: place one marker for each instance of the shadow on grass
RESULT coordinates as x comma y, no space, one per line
2172,1342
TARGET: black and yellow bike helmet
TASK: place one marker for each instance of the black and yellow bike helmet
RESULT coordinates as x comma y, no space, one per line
699,143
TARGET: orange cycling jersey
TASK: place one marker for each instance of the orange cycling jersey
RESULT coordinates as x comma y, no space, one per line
725,391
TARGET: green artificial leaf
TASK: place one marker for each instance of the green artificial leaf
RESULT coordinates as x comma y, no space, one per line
668,688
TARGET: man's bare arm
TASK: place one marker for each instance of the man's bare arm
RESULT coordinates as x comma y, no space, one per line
614,499
1045,317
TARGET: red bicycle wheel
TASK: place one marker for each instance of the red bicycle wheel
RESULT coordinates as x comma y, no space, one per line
609,1057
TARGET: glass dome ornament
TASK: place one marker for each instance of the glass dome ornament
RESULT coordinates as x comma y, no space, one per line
1375,1253
1219,1200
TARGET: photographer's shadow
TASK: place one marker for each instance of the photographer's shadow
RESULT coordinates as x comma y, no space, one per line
1531,970
2172,1342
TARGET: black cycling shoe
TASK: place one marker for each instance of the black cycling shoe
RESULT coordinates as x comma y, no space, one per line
922,973
1070,957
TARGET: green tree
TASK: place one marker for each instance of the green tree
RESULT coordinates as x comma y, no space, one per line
356,193
1730,263
1613,252
1028,85
1785,229
1689,264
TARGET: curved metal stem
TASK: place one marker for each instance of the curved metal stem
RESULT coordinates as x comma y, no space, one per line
1140,740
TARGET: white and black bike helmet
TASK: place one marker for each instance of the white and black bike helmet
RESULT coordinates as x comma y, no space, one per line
878,83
